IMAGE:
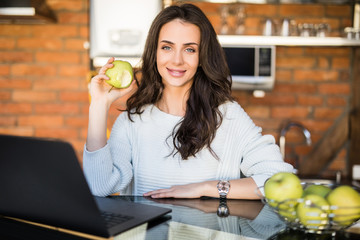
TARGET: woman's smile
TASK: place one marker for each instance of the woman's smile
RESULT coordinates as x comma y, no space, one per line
176,73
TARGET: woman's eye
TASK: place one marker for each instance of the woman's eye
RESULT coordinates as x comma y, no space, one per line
166,48
190,50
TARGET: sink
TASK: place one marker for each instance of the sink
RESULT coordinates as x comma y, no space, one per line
323,181
318,181
331,183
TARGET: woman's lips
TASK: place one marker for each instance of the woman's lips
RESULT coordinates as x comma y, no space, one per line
176,73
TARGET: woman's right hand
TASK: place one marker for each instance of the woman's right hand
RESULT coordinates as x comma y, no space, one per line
101,91
101,100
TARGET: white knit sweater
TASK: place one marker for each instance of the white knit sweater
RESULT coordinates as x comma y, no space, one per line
137,157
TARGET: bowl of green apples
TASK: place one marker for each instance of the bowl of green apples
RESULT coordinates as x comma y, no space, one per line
315,208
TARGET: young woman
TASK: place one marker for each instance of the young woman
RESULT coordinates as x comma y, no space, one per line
181,132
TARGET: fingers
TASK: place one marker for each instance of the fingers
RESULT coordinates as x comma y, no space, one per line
111,59
101,74
107,66
192,190
161,193
98,81
153,192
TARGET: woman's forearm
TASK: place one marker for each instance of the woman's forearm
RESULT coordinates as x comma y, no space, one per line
96,137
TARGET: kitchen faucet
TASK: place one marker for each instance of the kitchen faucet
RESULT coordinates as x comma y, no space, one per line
286,129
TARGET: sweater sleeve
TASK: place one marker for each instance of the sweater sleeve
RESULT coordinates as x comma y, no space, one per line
109,169
258,154
262,158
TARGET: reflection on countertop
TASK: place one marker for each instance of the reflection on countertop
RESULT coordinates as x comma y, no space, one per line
198,219
191,219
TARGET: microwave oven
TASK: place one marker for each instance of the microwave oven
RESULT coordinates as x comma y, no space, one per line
251,67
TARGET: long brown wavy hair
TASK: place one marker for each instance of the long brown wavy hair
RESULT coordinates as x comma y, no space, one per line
211,86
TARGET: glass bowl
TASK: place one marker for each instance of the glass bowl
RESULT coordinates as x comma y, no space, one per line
313,218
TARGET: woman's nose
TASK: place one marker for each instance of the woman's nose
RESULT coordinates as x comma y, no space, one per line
178,58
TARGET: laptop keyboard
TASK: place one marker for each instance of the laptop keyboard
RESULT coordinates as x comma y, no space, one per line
113,219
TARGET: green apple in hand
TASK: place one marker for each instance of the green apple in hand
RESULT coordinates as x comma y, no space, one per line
121,75
282,186
313,211
320,190
346,202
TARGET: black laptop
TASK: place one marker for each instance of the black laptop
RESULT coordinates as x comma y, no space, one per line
42,181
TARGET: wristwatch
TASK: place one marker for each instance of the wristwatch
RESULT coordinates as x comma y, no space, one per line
223,187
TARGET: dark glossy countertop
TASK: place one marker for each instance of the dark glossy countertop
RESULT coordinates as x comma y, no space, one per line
191,219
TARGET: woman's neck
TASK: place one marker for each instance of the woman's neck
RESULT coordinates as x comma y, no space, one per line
173,102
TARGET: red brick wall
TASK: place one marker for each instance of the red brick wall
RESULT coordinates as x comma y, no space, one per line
44,71
43,74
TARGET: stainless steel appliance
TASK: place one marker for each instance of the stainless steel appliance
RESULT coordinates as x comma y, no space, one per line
251,67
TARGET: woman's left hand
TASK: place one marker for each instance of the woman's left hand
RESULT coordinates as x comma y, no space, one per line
193,190
243,188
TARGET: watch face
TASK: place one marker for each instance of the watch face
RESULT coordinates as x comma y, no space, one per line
223,187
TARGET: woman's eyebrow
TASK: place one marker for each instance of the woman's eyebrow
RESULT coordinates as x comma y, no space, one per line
186,44
191,43
166,41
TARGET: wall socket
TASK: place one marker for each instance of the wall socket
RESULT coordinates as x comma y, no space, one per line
356,172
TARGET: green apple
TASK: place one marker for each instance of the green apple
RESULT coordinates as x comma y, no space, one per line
287,209
121,75
320,190
282,186
345,202
313,212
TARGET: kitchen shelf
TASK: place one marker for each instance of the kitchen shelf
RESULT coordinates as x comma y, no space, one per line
240,40
231,40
